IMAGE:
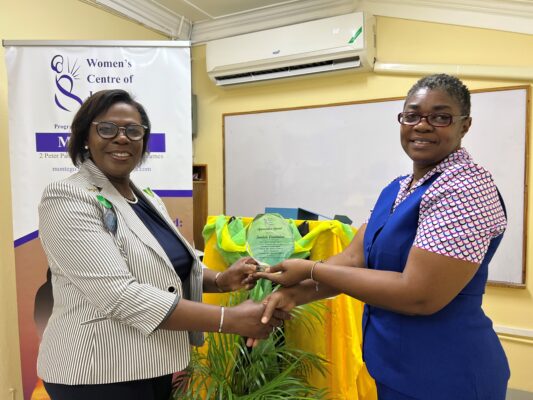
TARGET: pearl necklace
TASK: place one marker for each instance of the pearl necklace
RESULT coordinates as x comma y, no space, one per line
134,201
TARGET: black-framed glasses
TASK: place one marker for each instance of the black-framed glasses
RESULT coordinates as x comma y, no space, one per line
108,130
438,120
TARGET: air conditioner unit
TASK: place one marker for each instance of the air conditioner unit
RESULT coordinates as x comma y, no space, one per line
342,42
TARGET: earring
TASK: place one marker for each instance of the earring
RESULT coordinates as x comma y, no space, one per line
86,147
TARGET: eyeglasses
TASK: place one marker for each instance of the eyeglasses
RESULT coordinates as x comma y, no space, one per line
438,120
108,130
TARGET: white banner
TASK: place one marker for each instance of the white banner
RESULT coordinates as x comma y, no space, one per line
46,86
47,82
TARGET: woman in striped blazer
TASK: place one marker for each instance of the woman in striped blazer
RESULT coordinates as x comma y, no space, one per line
127,286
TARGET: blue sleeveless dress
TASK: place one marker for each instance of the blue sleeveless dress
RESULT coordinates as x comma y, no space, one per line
453,354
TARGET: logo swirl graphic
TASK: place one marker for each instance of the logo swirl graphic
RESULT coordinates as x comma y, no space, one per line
65,82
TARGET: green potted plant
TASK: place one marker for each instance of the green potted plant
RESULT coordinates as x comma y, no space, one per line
273,370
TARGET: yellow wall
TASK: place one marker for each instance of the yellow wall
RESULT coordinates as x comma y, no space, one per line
398,41
38,20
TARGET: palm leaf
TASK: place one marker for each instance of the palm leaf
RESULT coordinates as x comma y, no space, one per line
273,370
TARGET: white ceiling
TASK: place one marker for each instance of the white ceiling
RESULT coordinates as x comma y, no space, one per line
204,20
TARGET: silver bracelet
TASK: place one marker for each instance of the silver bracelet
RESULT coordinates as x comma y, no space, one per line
221,320
216,282
312,270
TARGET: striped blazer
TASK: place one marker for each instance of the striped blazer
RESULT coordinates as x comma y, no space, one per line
111,289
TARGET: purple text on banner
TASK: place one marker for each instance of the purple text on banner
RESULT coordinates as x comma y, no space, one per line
51,142
173,193
48,142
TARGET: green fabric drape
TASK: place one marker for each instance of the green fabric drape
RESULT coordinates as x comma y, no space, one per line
231,236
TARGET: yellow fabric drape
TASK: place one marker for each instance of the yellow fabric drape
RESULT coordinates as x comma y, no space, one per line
339,339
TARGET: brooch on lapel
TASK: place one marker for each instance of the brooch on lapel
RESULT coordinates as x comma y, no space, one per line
149,192
110,218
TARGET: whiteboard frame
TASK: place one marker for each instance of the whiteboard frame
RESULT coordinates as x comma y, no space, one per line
527,89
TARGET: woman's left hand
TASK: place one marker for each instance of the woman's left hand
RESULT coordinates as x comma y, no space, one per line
238,276
288,272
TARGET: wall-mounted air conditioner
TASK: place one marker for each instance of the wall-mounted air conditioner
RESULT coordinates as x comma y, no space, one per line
329,44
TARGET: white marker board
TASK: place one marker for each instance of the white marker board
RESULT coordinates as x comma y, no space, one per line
335,159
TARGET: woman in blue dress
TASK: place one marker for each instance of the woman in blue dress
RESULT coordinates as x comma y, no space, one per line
420,262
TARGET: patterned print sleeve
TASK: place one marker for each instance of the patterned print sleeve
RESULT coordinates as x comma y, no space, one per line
460,214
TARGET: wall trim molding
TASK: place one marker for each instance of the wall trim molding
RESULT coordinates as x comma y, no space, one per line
150,14
513,331
268,18
515,394
463,70
505,15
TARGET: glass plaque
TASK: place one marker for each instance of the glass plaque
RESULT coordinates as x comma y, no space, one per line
270,239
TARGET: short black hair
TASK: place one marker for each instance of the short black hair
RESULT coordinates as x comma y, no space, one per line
452,85
95,105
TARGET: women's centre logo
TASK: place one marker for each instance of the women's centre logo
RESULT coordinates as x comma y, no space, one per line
66,74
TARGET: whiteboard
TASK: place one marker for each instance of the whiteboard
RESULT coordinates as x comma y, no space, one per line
335,159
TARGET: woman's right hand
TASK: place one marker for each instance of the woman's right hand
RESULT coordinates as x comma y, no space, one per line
245,320
281,301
